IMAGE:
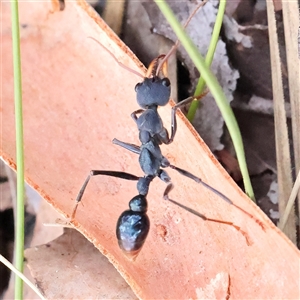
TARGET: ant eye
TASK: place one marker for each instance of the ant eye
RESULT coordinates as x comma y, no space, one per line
166,82
137,86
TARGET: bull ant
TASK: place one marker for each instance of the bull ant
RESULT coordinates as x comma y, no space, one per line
133,225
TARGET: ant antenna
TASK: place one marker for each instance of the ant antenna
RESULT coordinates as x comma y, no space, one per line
119,63
177,43
162,64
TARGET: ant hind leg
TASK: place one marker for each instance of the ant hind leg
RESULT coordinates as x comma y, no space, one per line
215,191
118,174
165,177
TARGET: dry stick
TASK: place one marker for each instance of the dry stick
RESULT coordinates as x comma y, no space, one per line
21,275
290,11
283,157
290,203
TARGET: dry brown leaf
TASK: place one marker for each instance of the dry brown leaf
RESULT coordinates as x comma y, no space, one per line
76,100
70,267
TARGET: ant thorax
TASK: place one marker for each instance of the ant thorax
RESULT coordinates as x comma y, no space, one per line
150,121
150,158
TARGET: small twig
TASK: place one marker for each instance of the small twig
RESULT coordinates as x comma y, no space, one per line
22,276
255,26
290,203
260,105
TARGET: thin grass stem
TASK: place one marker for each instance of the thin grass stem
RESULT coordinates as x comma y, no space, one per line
19,227
208,59
215,89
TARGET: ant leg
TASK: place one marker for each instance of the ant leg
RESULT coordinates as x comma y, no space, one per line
174,110
122,175
134,114
168,189
163,175
198,180
131,147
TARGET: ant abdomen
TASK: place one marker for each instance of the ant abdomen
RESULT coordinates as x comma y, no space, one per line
132,231
133,227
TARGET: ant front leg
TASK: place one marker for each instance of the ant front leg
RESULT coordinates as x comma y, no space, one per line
117,174
134,114
174,110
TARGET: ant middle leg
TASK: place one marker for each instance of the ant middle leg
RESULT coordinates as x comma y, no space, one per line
131,147
199,180
215,191
163,175
165,163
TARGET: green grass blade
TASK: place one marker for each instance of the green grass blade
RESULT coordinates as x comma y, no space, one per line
19,234
208,59
215,89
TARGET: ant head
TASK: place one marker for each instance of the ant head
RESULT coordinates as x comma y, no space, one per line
153,91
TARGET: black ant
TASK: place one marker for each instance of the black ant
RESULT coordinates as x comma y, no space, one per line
133,224
154,91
